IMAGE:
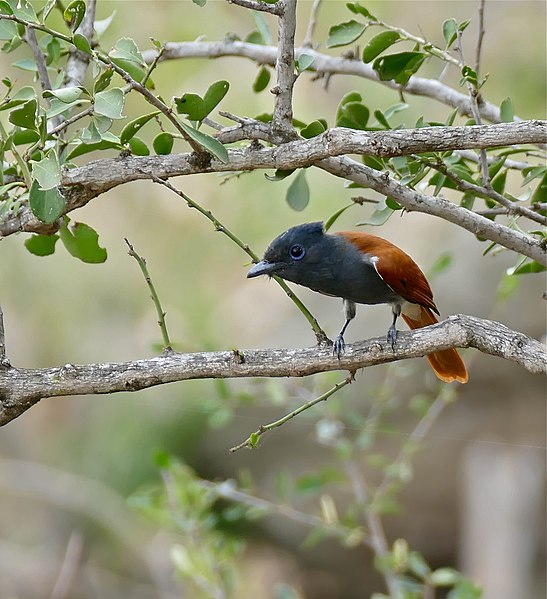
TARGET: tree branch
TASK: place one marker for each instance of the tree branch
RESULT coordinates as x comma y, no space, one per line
328,65
22,388
83,184
77,62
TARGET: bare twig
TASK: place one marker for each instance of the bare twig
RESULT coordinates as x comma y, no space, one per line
480,36
153,294
69,568
377,535
487,192
252,440
327,65
39,58
312,23
3,360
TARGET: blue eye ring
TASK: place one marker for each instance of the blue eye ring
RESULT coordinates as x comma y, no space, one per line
297,252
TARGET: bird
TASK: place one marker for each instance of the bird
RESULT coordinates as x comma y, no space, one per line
360,268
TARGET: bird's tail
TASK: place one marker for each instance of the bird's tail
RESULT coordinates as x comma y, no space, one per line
446,364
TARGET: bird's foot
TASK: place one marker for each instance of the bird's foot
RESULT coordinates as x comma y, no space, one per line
339,346
392,336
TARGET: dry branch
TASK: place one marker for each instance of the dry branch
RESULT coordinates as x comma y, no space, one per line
21,388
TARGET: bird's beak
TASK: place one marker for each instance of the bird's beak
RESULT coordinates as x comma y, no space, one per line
263,268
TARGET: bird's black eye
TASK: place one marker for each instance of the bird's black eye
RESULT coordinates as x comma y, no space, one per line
297,252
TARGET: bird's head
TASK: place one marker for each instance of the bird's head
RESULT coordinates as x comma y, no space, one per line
292,253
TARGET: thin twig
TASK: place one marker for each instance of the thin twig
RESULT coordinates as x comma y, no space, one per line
252,440
377,539
153,294
3,361
69,568
486,192
473,96
480,37
312,23
153,65
39,58
320,335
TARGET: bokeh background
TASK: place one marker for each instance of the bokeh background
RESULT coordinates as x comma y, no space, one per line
476,500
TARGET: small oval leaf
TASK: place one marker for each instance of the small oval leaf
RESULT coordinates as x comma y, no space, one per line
378,44
345,33
298,192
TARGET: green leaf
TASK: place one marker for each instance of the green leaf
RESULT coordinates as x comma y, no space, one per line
498,183
24,10
357,9
25,116
127,50
378,44
527,267
74,13
398,67
255,37
86,148
279,175
200,2
27,64
263,28
211,144
215,94
450,32
20,97
315,481
262,79
82,242
135,126
103,81
110,103
353,115
465,589
540,194
41,245
8,30
334,217
444,577
192,105
138,147
298,192
345,33
163,143
379,217
102,25
67,95
313,129
82,43
47,171
46,205
507,113
304,61
25,136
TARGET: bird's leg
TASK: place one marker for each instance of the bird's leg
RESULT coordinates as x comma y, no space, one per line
392,331
340,345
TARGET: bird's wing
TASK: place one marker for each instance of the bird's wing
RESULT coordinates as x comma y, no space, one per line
396,268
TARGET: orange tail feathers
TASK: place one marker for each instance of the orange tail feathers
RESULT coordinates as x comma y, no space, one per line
447,364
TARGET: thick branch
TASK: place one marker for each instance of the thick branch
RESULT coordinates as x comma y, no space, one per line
22,388
328,65
84,183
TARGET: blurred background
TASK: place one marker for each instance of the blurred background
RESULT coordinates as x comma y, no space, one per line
475,496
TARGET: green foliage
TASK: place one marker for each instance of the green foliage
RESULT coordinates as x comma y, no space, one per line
345,33
298,192
82,242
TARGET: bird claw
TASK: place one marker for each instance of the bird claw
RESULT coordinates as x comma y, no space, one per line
339,346
392,336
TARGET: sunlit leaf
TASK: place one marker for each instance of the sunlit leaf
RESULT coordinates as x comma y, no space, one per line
25,116
110,103
163,143
74,13
135,126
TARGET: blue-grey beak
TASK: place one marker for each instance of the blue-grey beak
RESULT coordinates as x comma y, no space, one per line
263,268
